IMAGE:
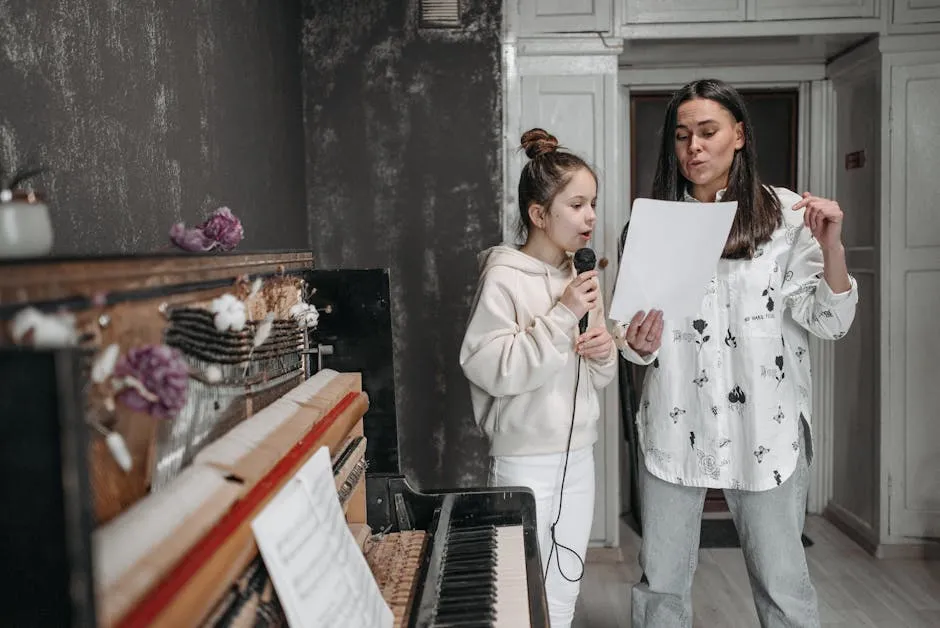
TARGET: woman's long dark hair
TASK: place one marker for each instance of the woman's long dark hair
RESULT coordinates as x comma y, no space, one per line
758,212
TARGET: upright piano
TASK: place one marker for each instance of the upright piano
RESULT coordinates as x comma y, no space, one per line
165,538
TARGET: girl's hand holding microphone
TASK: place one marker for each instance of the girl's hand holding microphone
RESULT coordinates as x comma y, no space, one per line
581,297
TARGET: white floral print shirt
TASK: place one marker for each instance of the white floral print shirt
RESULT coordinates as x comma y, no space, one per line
723,396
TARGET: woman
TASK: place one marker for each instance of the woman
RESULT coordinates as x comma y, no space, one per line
727,401
533,377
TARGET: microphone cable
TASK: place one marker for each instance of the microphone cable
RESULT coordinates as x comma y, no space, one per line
561,495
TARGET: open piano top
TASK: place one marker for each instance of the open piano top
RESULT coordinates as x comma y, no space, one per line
184,555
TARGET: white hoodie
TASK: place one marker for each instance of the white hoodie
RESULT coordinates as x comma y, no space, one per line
518,353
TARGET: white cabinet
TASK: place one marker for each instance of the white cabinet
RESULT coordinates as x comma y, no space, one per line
564,16
697,11
916,11
664,11
810,9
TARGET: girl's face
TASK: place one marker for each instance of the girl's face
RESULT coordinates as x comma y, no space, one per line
707,138
569,222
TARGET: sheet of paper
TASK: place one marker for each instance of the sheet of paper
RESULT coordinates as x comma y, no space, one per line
320,575
671,252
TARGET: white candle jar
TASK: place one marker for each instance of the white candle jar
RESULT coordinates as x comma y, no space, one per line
25,227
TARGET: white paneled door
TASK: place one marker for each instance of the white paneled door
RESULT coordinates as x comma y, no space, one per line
576,110
912,418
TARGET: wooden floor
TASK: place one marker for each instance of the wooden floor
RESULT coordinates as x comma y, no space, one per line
855,590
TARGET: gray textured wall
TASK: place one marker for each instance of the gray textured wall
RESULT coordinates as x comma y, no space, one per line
403,171
150,112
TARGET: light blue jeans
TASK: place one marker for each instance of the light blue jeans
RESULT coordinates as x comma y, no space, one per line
770,525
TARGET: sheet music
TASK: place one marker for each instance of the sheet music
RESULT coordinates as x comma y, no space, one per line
321,577
671,252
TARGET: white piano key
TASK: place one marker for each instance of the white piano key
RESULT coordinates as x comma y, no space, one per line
512,593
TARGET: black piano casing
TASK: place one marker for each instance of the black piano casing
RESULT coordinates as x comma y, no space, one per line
45,531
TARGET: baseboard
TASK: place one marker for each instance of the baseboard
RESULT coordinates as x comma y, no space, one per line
863,534
895,551
853,527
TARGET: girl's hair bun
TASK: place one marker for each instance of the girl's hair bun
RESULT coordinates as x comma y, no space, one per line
537,142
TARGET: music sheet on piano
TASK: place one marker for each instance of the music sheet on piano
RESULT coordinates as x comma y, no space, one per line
320,575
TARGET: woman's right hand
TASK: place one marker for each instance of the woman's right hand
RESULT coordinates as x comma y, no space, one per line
645,332
581,294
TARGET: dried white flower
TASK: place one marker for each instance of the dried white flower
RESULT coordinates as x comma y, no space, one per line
48,330
229,313
305,314
213,374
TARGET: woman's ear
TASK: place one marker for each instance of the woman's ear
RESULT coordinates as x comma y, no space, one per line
537,215
739,136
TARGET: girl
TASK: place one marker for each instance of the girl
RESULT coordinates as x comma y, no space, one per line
533,377
727,402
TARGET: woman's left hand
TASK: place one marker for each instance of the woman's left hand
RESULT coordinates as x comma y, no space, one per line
595,344
824,219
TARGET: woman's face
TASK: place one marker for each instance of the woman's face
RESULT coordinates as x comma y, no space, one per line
707,138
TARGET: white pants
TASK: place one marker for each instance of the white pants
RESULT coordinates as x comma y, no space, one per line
543,474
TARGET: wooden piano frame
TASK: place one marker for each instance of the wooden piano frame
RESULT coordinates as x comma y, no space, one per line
182,580
188,593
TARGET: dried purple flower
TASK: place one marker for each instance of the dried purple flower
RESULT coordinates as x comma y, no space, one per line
190,239
225,228
221,230
163,374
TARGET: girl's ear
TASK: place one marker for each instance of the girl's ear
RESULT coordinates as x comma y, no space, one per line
537,215
739,136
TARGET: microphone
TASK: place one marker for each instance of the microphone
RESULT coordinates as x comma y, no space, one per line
584,260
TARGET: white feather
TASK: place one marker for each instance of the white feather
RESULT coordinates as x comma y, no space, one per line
264,330
255,287
119,450
104,363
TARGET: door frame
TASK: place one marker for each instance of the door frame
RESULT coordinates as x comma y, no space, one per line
816,133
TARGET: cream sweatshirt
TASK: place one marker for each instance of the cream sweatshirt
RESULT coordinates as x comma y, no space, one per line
518,354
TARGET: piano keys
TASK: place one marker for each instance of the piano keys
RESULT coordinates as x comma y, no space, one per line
477,579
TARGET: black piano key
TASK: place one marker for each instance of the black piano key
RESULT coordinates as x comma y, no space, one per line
479,603
467,598
466,585
457,578
459,549
470,562
457,552
470,574
481,537
459,530
475,614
